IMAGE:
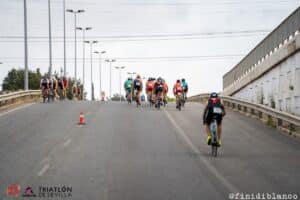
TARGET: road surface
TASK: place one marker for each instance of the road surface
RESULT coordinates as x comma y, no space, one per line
128,153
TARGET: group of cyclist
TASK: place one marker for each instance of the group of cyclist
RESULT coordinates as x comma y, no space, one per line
156,90
53,88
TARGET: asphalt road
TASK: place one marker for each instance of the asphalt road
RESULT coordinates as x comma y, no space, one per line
133,153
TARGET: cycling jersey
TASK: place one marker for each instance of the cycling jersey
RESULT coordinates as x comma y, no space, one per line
213,110
128,85
158,87
150,86
45,83
65,82
184,86
60,83
177,88
137,83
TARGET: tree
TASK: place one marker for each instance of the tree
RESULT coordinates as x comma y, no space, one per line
15,80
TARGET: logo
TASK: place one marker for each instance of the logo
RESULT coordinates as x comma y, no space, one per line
13,190
28,192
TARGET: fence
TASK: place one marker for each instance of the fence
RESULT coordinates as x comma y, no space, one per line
283,121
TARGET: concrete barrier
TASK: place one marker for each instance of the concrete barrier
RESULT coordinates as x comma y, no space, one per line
287,123
17,98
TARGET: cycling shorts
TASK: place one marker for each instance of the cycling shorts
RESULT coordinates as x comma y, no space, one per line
209,118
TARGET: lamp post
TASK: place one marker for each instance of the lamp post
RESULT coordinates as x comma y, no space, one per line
100,70
50,41
64,22
120,68
131,74
25,48
110,61
75,12
91,52
83,52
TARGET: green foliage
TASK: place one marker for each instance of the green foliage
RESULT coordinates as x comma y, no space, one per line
15,80
170,99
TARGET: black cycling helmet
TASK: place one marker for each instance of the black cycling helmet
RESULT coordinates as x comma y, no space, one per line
183,80
129,78
178,81
214,95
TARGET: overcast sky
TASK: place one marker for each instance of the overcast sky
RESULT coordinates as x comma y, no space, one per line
197,39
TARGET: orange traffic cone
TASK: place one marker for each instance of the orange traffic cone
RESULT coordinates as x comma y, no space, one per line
81,119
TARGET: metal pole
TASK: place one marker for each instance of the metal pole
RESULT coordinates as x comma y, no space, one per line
50,41
110,79
91,43
75,49
65,63
120,81
25,48
100,85
83,59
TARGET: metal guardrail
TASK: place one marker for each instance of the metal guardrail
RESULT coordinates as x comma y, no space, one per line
275,118
14,97
273,40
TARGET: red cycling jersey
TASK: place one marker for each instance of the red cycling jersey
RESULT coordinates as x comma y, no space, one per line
150,86
177,88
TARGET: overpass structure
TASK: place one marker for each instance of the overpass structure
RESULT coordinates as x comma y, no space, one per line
270,73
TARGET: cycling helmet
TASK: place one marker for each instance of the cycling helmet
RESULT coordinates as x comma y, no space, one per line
214,95
129,78
183,80
138,76
178,81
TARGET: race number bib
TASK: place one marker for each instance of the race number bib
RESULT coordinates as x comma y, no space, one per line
217,110
137,83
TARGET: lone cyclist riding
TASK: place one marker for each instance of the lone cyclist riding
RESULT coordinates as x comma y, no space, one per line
212,111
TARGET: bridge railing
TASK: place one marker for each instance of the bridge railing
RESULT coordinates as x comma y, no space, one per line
278,119
19,97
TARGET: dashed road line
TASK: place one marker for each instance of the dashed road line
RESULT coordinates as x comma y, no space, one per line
43,170
67,142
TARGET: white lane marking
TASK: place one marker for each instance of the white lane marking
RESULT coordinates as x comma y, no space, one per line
43,170
15,109
209,166
67,142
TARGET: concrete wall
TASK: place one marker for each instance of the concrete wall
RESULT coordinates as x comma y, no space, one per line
278,87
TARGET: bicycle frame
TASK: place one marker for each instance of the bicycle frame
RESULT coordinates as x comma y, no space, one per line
214,137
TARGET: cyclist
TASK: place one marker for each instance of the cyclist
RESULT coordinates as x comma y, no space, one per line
149,89
138,87
44,83
128,88
53,88
65,83
214,108
44,86
185,88
61,88
158,91
78,91
177,89
165,91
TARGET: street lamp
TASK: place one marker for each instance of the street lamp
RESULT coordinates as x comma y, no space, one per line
64,20
110,61
25,48
120,68
131,74
91,52
50,40
75,12
100,69
83,51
